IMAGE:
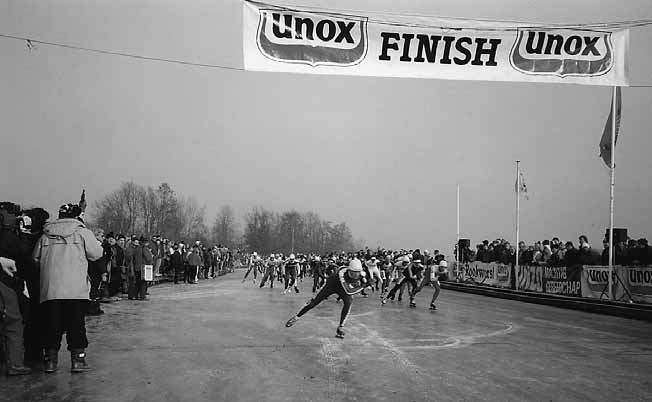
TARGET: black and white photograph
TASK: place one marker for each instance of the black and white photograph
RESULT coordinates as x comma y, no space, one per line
325,201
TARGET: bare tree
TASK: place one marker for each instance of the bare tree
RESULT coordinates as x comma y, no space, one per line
225,229
259,230
167,222
191,219
120,210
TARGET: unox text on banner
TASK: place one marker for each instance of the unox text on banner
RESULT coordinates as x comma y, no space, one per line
315,42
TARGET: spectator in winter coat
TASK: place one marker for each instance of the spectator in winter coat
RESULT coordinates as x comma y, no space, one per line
142,256
537,256
131,258
571,256
587,256
96,270
63,253
546,252
525,255
117,265
194,261
483,254
176,264
644,252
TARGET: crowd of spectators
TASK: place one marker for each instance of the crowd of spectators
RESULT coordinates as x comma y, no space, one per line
55,273
554,252
121,271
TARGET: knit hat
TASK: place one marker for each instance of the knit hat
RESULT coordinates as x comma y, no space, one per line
355,265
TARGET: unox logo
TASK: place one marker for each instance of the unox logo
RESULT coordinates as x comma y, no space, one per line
314,39
562,52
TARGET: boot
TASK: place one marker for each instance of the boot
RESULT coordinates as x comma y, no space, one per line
340,332
50,360
292,321
78,360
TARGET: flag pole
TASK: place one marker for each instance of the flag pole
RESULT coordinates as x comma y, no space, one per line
518,210
458,234
611,190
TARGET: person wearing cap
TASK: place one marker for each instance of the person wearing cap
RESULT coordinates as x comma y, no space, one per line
347,281
63,252
291,271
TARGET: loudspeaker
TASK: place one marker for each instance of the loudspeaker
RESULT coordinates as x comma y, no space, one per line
467,243
620,234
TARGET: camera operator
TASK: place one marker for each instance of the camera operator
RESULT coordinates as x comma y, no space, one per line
14,262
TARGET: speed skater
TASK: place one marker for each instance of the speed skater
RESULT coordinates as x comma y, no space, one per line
345,282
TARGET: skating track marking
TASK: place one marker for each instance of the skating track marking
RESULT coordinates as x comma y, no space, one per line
459,340
406,365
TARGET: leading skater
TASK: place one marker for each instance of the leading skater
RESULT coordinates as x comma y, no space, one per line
345,282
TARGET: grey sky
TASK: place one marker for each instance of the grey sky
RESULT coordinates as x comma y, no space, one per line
382,154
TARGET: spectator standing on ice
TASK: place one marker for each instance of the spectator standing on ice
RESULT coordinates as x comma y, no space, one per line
63,253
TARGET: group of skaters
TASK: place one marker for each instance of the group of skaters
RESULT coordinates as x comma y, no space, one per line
385,272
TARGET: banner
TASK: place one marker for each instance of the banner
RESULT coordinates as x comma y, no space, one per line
639,283
490,274
595,282
564,281
530,278
299,40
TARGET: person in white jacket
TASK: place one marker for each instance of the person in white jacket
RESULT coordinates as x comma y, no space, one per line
63,252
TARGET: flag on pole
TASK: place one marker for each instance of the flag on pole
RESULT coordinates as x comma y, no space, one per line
605,141
520,186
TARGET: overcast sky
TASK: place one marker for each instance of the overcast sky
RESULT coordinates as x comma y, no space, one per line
382,154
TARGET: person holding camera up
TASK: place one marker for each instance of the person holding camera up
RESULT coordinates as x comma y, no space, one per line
63,252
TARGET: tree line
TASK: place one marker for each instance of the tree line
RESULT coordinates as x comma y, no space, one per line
136,209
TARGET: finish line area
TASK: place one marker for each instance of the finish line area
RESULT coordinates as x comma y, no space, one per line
224,340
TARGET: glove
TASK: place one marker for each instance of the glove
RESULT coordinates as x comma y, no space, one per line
8,266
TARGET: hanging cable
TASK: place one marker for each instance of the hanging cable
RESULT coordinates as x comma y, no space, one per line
30,45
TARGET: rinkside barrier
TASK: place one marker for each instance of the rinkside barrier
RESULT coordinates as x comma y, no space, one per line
629,282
